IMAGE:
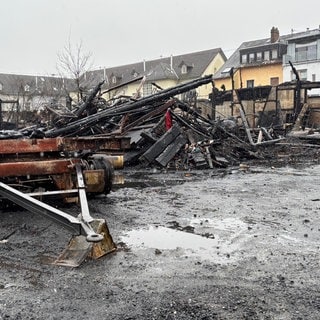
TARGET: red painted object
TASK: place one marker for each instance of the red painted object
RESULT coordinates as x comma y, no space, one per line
168,119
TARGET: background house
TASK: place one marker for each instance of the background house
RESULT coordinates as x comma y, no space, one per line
265,63
254,63
303,50
162,73
22,96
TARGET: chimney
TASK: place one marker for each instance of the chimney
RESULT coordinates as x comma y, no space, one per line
275,35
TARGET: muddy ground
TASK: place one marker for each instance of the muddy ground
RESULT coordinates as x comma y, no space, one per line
235,243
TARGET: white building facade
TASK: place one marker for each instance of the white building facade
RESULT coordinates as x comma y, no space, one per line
303,51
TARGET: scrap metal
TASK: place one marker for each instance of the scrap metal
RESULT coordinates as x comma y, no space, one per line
67,168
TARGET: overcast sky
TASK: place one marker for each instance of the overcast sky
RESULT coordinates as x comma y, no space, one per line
118,32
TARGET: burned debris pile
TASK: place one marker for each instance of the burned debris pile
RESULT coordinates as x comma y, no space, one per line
164,130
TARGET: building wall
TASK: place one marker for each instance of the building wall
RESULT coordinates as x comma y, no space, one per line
261,74
218,83
309,69
131,89
202,91
212,68
312,71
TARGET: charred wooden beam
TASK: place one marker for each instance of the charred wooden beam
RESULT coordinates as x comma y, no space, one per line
150,114
89,99
81,124
161,144
184,122
171,150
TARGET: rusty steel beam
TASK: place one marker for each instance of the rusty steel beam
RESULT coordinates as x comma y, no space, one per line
36,168
29,146
96,143
24,146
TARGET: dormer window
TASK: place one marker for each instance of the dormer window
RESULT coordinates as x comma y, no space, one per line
244,58
115,78
134,73
1,86
274,54
259,56
251,57
185,67
26,88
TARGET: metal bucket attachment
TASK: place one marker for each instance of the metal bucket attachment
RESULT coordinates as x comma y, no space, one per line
79,248
106,245
75,253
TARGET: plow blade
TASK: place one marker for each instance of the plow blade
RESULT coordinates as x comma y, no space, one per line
80,249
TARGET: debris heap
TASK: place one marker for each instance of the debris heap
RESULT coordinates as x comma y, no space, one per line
164,130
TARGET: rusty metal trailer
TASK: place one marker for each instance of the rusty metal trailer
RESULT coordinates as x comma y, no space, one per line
68,168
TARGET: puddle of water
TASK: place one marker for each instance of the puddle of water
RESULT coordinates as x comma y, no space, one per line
217,249
166,238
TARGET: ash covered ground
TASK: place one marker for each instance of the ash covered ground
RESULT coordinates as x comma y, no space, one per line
237,243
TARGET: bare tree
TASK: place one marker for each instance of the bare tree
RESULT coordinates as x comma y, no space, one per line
74,63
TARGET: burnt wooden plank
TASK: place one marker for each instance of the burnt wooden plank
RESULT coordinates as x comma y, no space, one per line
199,160
161,144
171,150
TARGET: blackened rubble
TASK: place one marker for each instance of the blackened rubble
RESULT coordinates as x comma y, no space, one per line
168,132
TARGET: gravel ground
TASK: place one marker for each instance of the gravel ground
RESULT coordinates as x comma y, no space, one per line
219,244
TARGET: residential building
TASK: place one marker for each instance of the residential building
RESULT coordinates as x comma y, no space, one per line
266,61
28,93
303,50
161,73
22,96
33,91
254,63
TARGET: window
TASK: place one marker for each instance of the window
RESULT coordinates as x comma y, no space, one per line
251,57
274,54
306,51
147,89
244,58
267,55
114,79
1,86
312,52
184,69
314,77
250,83
302,75
274,81
26,88
259,56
